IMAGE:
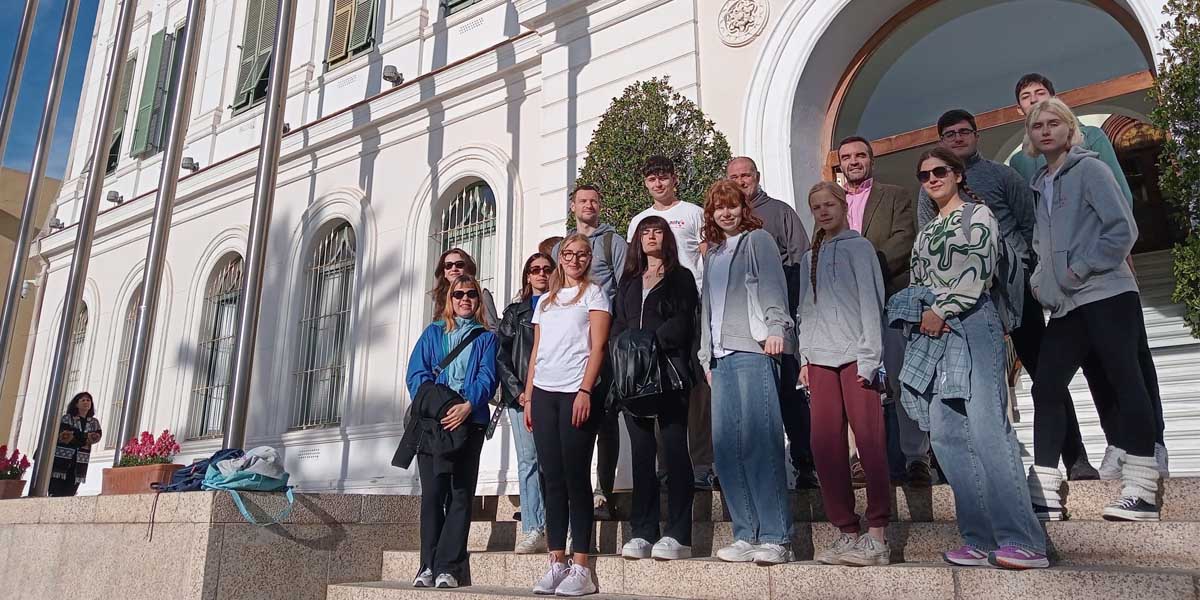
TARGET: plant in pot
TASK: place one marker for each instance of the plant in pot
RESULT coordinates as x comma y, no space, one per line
12,469
145,460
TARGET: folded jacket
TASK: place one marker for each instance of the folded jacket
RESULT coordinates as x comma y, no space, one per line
935,368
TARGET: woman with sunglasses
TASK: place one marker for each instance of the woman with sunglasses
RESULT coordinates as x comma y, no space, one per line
949,301
570,335
658,295
516,342
446,494
451,265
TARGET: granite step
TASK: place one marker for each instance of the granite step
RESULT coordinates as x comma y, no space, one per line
1163,544
1085,500
506,575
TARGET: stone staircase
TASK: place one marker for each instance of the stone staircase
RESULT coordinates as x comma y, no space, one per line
1092,558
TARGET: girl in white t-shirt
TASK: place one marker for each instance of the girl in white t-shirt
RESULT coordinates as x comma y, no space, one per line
570,332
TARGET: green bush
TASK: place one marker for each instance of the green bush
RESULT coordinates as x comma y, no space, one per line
651,118
1177,94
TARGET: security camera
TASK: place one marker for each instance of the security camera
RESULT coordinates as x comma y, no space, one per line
190,164
114,197
393,75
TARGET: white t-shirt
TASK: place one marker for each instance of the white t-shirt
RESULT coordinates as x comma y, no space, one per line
718,276
687,223
1048,192
565,342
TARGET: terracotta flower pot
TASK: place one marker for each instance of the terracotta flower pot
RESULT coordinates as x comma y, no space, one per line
136,480
11,488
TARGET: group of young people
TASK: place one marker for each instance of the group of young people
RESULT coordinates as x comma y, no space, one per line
703,326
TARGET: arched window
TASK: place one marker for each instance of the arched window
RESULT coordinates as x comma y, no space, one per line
214,350
324,326
128,329
469,222
72,385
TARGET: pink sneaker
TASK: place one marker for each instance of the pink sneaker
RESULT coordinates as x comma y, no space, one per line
1017,558
966,556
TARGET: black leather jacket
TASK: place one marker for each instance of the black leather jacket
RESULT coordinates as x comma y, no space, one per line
669,311
516,343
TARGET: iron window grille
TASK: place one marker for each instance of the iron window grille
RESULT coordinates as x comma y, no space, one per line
469,222
214,352
123,358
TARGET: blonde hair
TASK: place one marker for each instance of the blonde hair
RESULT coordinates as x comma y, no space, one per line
839,194
1059,109
559,279
448,314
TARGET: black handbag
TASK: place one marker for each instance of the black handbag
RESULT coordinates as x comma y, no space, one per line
641,374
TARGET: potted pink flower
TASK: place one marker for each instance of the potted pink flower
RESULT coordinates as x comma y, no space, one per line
12,469
145,460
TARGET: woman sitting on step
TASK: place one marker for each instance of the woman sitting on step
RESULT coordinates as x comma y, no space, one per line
448,486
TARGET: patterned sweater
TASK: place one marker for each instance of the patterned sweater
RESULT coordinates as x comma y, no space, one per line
956,269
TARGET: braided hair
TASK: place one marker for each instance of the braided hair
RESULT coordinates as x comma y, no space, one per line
839,194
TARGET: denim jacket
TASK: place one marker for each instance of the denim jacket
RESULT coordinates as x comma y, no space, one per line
935,368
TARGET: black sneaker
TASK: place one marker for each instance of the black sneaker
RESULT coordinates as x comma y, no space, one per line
1045,513
706,482
806,479
1082,470
1130,508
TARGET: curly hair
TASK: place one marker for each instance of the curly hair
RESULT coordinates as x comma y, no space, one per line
726,194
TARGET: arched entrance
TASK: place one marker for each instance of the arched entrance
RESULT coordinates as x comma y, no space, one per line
886,69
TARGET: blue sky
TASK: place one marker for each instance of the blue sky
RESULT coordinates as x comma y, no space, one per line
36,79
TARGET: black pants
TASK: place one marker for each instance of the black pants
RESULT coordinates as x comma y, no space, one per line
1108,329
1110,420
608,454
446,510
565,457
797,421
63,487
672,427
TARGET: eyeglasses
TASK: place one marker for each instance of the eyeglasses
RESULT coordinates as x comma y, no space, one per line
939,172
953,133
572,256
460,294
454,264
541,270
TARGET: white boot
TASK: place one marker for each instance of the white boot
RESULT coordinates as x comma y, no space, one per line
1045,484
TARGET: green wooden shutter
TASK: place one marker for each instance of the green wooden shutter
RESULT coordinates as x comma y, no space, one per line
452,6
364,19
159,107
246,74
266,43
141,128
339,32
114,144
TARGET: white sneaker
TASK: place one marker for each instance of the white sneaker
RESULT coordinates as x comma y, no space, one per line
868,552
551,580
1110,467
636,548
424,579
578,582
446,581
1160,457
842,545
534,542
772,554
739,551
669,548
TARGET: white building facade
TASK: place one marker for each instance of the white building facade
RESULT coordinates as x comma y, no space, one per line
478,148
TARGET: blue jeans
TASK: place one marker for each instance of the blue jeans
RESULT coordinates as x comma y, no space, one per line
977,448
533,511
748,447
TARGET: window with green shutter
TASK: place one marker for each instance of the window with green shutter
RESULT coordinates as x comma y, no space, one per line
450,7
351,30
114,144
258,38
149,96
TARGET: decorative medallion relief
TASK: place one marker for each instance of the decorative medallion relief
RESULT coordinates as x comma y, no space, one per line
741,21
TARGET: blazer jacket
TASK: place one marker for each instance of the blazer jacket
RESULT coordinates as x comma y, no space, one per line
890,224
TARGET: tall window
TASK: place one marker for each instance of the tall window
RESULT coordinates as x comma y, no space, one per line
469,222
126,353
450,7
73,383
163,60
324,326
350,31
114,144
258,38
218,329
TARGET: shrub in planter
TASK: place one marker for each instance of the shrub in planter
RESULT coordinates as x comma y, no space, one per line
145,460
12,469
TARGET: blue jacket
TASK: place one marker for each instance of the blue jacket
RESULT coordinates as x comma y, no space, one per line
935,368
481,382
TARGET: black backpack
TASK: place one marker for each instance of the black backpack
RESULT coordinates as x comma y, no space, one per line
189,478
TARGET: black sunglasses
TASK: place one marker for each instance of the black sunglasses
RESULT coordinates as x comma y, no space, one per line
454,264
458,294
939,172
541,270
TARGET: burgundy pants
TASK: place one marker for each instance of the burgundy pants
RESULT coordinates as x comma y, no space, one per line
837,398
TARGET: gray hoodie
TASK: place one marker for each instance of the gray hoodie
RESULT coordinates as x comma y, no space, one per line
756,257
844,323
602,271
1084,233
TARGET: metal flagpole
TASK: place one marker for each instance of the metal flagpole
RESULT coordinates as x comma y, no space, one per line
256,246
12,295
83,245
160,228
